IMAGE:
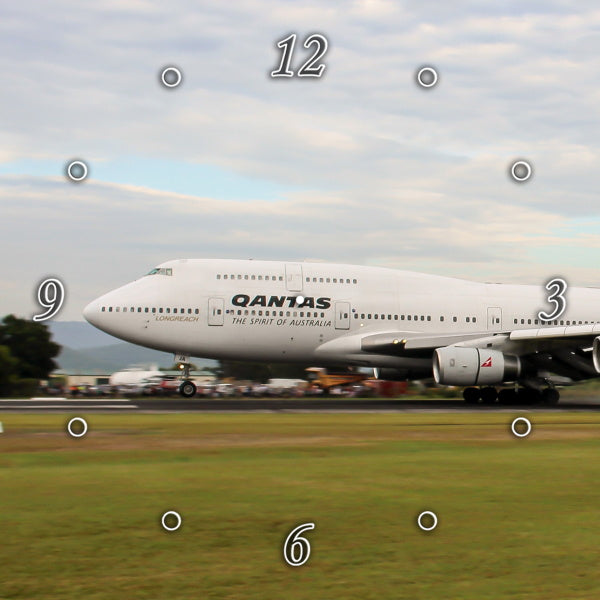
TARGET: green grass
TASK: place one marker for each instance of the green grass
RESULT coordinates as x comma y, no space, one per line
517,518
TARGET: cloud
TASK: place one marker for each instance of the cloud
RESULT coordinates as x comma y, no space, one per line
367,166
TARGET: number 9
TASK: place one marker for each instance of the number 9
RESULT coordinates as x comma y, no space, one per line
50,295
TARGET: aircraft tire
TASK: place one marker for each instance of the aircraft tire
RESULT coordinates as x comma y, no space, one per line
507,396
471,395
187,389
489,395
550,396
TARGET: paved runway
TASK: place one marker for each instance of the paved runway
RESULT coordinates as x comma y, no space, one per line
78,405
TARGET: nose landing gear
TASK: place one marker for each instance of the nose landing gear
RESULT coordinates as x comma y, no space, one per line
188,388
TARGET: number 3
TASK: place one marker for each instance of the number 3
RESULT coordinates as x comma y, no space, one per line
557,298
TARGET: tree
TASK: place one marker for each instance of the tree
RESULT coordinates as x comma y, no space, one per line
31,345
8,368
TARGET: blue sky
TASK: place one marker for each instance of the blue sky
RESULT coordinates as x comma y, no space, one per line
360,166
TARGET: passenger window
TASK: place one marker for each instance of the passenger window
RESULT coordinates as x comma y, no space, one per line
153,310
266,278
441,318
245,276
395,317
167,310
110,309
334,280
253,277
314,280
368,316
146,309
355,315
468,320
320,280
174,310
347,281
354,281
308,280
117,308
239,276
362,315
454,319
408,318
302,314
422,317
376,316
218,276
428,317
402,317
197,311
260,277
224,276
160,310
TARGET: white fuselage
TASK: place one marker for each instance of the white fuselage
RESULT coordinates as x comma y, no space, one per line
283,311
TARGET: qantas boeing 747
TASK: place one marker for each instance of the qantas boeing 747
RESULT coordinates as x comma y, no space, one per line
404,325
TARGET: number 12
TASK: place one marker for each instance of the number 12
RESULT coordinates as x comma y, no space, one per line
307,69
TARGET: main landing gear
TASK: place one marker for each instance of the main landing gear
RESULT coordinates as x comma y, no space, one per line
188,388
522,395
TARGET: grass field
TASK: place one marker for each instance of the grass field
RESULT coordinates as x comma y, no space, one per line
518,518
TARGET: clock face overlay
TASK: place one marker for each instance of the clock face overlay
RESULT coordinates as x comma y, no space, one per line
299,300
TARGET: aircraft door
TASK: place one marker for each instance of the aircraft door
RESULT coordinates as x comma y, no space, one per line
216,311
494,318
342,315
293,277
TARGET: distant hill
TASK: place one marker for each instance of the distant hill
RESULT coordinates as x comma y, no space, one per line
79,334
87,350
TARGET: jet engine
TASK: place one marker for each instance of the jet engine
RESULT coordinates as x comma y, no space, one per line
453,365
596,353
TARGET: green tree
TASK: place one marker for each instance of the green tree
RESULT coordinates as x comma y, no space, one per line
8,369
31,345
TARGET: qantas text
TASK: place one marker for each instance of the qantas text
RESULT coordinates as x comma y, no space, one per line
279,301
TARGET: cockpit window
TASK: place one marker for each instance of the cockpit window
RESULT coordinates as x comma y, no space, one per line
161,271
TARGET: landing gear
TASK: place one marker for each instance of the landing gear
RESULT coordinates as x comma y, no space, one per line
187,389
471,395
489,395
507,396
550,396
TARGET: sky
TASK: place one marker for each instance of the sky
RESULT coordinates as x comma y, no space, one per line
361,165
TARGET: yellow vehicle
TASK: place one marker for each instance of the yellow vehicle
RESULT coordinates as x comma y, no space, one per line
325,380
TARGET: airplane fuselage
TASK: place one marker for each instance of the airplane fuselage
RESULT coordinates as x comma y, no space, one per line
284,311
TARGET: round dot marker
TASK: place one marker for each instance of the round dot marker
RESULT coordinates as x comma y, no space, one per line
77,170
520,421
299,300
79,421
171,77
429,516
173,515
521,171
427,77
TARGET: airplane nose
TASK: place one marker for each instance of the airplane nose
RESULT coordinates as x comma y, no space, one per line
91,312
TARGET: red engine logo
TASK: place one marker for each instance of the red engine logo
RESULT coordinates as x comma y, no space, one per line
487,363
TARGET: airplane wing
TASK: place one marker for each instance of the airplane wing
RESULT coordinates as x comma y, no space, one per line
571,352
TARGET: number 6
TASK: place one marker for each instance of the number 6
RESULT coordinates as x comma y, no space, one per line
295,540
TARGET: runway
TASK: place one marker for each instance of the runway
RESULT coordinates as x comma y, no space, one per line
78,405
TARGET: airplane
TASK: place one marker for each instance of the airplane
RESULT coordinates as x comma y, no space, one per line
404,325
